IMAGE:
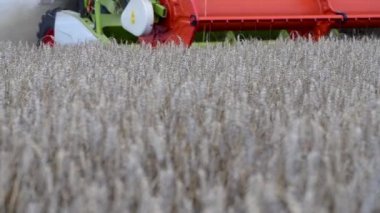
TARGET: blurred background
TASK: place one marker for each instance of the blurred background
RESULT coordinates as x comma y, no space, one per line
20,18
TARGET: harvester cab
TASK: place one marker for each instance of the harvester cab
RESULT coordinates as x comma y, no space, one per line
186,21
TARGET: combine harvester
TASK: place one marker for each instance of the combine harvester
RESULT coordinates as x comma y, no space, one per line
188,21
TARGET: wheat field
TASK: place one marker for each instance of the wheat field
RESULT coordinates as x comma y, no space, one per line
282,126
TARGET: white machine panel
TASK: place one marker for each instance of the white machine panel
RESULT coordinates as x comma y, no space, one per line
138,17
69,29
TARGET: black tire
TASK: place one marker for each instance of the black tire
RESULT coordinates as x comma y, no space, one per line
47,23
81,8
72,5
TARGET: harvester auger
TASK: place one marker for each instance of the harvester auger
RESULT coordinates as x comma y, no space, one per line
185,21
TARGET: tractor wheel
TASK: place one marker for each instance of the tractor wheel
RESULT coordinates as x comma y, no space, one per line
82,8
72,5
45,33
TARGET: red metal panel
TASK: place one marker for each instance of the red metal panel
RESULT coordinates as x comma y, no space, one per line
237,8
316,17
357,7
360,13
177,27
